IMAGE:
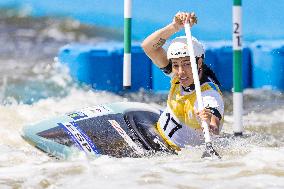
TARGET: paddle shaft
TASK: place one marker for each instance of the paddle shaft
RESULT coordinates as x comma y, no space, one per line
196,80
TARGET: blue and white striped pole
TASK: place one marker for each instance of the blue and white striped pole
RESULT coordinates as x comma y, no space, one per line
127,45
237,65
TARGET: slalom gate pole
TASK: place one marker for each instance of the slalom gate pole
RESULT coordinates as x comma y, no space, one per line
127,44
237,68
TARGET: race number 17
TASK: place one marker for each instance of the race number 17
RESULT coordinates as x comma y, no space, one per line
176,125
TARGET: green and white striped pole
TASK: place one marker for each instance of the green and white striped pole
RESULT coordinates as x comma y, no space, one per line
127,45
237,67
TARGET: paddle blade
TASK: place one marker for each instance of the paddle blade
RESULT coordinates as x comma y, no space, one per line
210,152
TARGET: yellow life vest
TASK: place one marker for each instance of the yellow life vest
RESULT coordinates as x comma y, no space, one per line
178,124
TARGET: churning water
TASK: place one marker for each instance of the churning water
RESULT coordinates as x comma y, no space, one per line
34,87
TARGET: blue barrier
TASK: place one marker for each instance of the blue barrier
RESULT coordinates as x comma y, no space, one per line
160,82
224,67
88,64
210,59
141,69
268,67
103,68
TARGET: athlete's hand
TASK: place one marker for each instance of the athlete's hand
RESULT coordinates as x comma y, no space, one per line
204,115
184,17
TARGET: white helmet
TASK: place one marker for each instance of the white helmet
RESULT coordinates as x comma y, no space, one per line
178,48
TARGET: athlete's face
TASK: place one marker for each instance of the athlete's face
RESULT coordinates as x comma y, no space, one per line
182,69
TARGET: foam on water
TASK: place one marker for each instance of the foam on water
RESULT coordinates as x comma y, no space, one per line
250,161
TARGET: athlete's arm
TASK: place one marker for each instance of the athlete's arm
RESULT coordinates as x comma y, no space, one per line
152,45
